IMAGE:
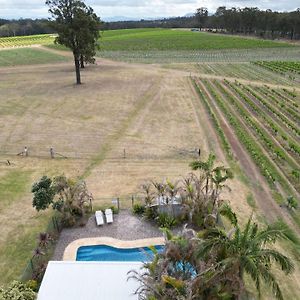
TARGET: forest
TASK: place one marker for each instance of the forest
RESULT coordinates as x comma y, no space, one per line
246,21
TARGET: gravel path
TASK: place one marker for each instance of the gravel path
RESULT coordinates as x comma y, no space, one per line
125,227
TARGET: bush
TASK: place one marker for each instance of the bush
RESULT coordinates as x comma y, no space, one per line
17,291
166,221
114,210
138,209
292,203
150,214
32,284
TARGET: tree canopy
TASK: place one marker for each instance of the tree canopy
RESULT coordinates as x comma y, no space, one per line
77,27
71,198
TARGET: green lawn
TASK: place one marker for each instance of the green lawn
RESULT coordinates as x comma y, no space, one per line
28,56
167,39
12,186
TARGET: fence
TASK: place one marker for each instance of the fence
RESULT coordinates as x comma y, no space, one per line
119,202
37,263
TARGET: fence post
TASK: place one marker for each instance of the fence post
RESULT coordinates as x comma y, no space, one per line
54,223
31,264
132,201
118,202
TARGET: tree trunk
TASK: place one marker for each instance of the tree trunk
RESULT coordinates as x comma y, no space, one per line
81,62
206,186
77,69
292,34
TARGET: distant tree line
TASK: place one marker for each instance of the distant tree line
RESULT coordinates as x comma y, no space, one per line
24,27
249,21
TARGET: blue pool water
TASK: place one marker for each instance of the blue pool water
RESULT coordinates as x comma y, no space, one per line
107,253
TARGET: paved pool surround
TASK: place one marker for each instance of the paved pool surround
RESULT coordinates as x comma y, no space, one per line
70,253
126,227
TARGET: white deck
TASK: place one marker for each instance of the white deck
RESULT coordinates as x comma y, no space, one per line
88,281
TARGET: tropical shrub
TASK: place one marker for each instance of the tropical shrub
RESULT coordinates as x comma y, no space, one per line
164,220
150,214
212,263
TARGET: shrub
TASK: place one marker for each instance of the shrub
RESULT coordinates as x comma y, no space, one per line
166,221
17,291
150,213
138,209
292,203
32,284
114,210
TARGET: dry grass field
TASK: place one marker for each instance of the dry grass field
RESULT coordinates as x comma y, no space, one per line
151,111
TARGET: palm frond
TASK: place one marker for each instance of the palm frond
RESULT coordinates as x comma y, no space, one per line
283,261
227,212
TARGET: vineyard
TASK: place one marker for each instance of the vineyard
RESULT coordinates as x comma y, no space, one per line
265,121
247,71
22,41
280,66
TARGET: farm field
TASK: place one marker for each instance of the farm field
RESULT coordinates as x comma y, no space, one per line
171,45
167,39
28,56
246,113
155,39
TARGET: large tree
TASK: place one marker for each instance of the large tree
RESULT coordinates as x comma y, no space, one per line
201,15
78,29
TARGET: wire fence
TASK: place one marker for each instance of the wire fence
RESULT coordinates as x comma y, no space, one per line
119,203
36,265
148,151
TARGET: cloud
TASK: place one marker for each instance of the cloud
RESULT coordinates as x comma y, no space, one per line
140,8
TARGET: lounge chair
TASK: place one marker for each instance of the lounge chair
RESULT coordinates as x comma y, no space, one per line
109,215
99,217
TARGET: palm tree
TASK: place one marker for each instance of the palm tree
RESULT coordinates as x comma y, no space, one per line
219,177
212,176
246,252
207,167
148,194
44,239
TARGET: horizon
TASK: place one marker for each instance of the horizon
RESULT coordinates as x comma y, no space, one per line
123,10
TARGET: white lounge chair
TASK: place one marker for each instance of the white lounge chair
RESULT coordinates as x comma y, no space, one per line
109,215
99,217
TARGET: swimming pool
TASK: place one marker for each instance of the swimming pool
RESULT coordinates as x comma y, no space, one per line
108,253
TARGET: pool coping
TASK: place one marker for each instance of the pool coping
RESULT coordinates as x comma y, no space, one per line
70,252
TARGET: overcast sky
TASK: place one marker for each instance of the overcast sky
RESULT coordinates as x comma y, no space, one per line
140,8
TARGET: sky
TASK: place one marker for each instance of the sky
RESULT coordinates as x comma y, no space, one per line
137,9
